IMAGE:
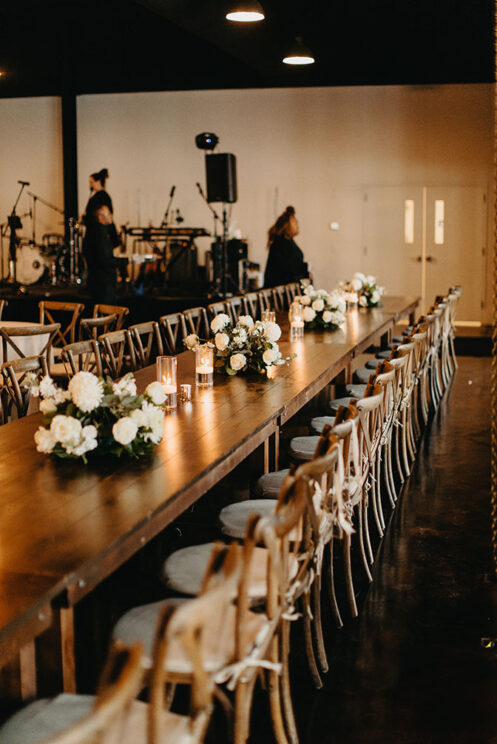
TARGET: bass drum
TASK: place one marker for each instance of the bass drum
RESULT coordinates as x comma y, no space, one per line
31,265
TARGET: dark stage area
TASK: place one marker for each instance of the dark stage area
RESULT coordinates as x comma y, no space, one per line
413,668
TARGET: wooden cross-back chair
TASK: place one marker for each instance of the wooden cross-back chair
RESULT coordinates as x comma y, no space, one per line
117,353
3,305
67,333
291,291
10,347
215,308
235,308
196,321
251,302
173,332
279,298
266,300
147,342
15,395
111,715
94,327
119,310
82,356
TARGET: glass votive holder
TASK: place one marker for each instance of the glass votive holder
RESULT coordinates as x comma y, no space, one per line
269,316
204,366
185,393
296,320
166,369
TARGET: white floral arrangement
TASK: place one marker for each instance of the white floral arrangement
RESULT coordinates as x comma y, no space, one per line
322,309
368,292
248,346
97,415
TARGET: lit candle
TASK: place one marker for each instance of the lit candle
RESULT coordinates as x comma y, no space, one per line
295,316
204,366
269,316
166,368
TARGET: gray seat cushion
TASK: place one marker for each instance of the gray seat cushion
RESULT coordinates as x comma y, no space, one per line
268,486
234,517
384,354
356,391
45,718
371,365
335,404
361,376
303,448
140,624
184,570
319,422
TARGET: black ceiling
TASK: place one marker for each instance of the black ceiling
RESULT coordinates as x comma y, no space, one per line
51,47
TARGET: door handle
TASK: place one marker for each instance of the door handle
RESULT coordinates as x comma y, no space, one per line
418,259
430,259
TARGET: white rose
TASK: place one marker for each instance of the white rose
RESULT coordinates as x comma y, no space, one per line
309,290
360,276
375,297
86,391
270,356
318,305
44,440
125,386
154,420
341,305
356,285
62,395
47,387
192,341
48,405
272,331
222,341
138,417
219,322
304,300
363,301
246,320
308,314
65,429
327,316
124,430
87,442
155,392
336,318
371,280
237,362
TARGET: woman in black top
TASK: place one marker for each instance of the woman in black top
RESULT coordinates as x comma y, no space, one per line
285,263
99,255
100,198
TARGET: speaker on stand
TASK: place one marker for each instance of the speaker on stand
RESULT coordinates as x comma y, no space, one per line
220,176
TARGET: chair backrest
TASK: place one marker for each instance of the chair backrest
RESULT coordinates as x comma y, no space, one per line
118,310
15,395
215,308
266,301
280,298
173,332
251,302
94,327
70,311
11,343
196,321
185,624
82,356
235,308
291,291
3,304
117,352
147,342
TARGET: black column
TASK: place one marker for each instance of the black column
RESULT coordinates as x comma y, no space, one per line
70,155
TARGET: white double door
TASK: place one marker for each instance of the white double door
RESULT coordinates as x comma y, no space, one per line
420,240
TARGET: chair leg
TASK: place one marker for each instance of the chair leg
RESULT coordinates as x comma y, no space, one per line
349,582
285,691
309,647
243,705
331,586
376,495
318,623
361,532
275,699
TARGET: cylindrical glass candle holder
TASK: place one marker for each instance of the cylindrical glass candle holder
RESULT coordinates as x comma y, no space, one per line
269,316
166,368
296,319
204,366
185,393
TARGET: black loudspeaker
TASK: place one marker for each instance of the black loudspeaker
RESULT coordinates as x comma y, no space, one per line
220,177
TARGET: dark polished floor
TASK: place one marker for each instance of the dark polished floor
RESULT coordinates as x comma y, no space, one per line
413,669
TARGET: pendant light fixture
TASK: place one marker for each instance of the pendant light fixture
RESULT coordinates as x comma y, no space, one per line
246,11
298,54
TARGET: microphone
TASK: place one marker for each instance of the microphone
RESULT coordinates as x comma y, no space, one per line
172,192
199,187
24,183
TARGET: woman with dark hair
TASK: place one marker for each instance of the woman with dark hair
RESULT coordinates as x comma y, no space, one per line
100,240
285,262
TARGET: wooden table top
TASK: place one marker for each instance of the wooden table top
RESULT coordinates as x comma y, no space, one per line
65,526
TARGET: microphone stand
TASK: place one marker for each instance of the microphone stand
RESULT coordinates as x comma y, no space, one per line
36,198
14,223
165,219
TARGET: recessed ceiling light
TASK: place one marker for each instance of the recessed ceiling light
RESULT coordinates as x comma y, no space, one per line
298,54
246,11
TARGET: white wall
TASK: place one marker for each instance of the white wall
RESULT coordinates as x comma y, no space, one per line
314,148
31,150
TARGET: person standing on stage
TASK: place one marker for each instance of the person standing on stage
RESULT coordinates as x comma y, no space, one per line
285,263
98,251
100,198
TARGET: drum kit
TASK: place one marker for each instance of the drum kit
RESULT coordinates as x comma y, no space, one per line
56,260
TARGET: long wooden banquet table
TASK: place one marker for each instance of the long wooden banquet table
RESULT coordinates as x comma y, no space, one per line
65,527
